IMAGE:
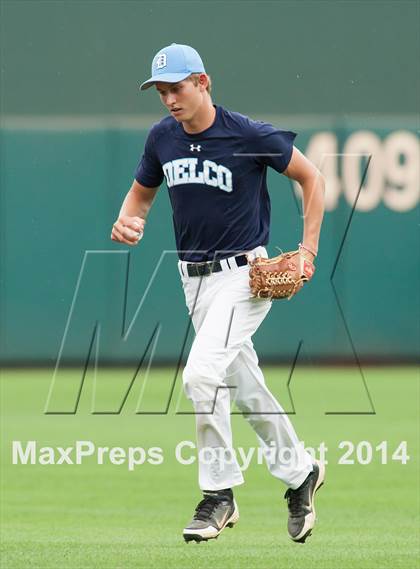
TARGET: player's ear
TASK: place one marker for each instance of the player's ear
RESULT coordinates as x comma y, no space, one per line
203,81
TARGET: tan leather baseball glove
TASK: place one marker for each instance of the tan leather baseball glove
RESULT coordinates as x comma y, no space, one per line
280,277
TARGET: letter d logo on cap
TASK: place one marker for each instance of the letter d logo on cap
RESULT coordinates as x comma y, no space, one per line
161,61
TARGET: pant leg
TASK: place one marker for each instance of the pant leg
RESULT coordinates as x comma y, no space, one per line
225,316
266,416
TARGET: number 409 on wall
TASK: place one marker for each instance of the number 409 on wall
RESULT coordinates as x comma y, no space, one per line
392,177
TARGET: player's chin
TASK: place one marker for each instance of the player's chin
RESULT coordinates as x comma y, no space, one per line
180,115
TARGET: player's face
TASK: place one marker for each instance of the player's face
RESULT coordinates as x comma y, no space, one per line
182,99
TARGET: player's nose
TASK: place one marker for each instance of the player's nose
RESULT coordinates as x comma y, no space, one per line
170,99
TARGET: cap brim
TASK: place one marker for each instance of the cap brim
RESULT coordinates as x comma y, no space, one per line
164,78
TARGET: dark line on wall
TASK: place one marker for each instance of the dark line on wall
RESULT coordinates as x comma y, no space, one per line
346,327
340,249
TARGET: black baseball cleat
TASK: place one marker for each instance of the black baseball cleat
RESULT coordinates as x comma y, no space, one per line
216,511
301,504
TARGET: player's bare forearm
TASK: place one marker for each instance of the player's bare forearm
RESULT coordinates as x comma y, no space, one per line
138,201
313,189
129,226
313,211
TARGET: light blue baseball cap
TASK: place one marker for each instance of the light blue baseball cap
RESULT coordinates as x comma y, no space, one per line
174,63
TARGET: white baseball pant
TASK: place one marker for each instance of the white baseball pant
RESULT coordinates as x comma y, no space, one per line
223,366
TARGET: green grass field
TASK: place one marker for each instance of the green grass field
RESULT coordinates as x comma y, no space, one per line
105,516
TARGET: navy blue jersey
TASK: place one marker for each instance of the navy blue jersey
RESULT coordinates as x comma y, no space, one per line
216,180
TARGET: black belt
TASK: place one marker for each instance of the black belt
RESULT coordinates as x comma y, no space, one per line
207,268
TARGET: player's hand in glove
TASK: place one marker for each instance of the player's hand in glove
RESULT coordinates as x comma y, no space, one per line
128,230
282,276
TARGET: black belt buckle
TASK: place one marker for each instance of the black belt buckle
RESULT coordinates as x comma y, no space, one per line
208,267
199,269
203,269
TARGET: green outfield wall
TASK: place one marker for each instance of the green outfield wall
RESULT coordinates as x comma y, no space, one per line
73,125
68,289
282,56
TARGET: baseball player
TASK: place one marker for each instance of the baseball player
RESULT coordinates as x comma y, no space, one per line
214,162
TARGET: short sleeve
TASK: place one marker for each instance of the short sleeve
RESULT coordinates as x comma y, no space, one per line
271,146
149,171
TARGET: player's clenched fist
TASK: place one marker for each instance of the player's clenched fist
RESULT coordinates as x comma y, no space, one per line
128,230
